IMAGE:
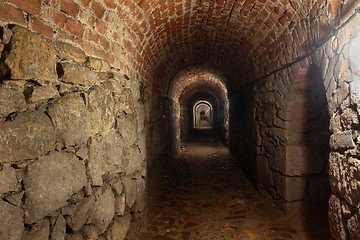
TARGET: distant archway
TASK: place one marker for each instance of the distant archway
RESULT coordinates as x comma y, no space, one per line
203,115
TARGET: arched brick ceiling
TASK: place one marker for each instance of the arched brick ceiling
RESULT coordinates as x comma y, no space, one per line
198,91
188,82
152,40
226,35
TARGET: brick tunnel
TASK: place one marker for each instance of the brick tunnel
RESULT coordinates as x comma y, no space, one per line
98,97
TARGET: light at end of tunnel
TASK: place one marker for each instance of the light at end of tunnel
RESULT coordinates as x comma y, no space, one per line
354,53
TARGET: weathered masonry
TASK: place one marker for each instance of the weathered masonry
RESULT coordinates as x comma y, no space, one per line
95,97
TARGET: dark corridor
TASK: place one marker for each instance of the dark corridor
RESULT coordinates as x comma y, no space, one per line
205,195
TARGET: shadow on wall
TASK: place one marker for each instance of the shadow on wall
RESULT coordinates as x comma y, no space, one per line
242,127
307,150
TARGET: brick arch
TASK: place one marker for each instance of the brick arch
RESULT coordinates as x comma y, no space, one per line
197,75
230,36
188,83
151,41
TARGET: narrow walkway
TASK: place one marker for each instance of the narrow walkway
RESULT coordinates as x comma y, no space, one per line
206,196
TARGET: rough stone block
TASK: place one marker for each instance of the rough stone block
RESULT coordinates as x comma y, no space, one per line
104,210
8,180
342,141
335,171
127,127
43,93
59,229
11,100
338,96
101,107
98,64
141,142
269,115
120,204
19,85
278,134
124,99
105,76
67,52
41,230
276,156
80,212
7,34
71,120
300,161
355,92
113,149
82,152
336,221
29,135
12,221
280,100
295,188
344,178
50,182
105,156
119,229
31,56
75,236
134,160
130,191
96,161
140,194
15,198
349,119
117,186
290,188
335,124
77,74
354,227
90,233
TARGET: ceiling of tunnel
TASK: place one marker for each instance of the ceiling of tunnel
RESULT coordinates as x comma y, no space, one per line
188,82
202,97
196,94
231,36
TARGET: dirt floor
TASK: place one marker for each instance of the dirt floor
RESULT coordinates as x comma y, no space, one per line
206,196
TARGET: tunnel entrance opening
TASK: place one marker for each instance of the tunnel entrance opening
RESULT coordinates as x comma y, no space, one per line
199,106
202,113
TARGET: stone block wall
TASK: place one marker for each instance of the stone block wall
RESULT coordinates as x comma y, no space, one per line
342,78
292,139
289,165
72,142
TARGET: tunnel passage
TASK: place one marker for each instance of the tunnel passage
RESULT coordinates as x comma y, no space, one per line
202,115
93,79
189,88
